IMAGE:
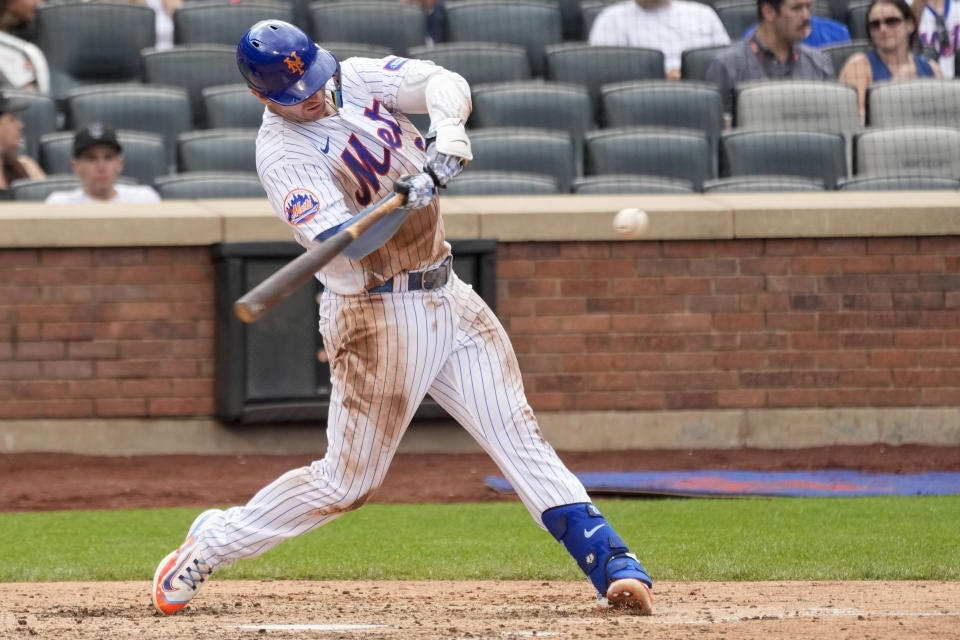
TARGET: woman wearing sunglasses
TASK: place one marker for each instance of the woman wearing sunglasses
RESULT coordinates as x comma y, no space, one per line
893,34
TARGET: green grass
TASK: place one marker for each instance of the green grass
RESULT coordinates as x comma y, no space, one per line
676,539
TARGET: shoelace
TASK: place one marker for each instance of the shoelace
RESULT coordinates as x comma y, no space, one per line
201,571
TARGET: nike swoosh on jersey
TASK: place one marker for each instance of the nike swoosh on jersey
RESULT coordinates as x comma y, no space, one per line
326,146
588,534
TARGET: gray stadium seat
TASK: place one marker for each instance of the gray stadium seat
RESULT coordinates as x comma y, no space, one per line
753,184
231,106
694,62
525,150
547,105
144,154
500,183
596,66
920,101
479,62
222,21
630,183
532,25
932,150
217,150
344,50
209,184
396,25
26,189
857,19
155,108
737,17
840,52
899,182
590,10
668,153
39,118
192,67
808,154
93,42
690,105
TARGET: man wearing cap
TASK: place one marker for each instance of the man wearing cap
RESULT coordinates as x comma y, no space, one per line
13,164
98,162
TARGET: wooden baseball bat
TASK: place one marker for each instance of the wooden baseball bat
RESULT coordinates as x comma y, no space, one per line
291,276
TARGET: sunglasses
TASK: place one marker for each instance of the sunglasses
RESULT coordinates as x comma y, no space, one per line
890,21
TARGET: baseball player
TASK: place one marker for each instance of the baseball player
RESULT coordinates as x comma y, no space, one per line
397,322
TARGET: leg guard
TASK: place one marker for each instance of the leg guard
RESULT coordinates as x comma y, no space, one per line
589,538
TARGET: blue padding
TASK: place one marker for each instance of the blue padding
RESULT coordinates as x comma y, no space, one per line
596,547
826,483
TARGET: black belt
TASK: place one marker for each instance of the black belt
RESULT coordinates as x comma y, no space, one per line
416,280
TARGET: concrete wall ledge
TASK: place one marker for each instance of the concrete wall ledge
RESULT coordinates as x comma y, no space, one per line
584,431
509,219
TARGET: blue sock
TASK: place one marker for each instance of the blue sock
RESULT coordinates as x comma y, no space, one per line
598,550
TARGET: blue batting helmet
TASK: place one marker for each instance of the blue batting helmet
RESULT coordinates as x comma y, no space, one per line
282,63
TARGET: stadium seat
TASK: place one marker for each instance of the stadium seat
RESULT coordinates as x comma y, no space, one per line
210,184
630,183
668,153
547,105
193,67
500,183
737,17
93,42
897,183
144,154
217,150
395,25
809,105
840,52
532,25
920,101
39,118
222,21
857,19
694,62
163,110
590,9
596,66
344,50
690,105
809,154
934,151
231,105
522,150
753,184
26,189
479,62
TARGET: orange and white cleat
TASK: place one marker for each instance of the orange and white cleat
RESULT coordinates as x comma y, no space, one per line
182,572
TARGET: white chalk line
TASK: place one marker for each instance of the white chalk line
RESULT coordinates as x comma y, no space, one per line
310,627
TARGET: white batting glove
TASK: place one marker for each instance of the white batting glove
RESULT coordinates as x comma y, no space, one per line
449,152
419,189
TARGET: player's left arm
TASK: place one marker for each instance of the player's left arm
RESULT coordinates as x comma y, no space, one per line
424,87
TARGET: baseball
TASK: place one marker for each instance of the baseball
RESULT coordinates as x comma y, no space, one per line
631,222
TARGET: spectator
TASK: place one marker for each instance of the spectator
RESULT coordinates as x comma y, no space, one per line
670,26
98,162
15,164
938,26
436,14
774,52
823,32
22,65
18,18
893,34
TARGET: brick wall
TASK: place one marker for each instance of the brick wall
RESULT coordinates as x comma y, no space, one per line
108,333
735,324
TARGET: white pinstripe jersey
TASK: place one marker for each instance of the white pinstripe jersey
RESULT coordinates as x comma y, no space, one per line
320,174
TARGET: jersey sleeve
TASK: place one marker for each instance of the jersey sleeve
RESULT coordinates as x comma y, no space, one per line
306,199
398,83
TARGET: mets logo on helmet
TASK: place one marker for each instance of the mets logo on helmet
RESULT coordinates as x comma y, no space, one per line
294,63
300,206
